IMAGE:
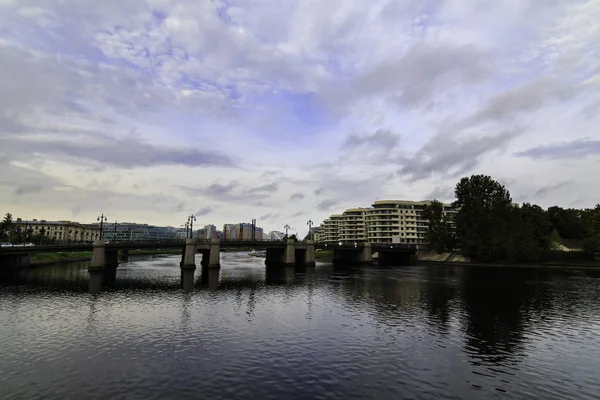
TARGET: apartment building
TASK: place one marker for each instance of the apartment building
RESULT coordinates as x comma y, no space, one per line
351,225
330,229
386,221
61,231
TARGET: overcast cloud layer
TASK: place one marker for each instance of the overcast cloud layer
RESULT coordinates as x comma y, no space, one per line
288,110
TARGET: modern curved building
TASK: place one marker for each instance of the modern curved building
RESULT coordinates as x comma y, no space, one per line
386,221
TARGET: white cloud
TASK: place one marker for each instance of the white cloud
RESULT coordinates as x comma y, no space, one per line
120,106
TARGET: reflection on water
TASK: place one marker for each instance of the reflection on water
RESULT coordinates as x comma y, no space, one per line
151,330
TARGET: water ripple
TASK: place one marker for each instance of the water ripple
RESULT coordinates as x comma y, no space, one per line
420,332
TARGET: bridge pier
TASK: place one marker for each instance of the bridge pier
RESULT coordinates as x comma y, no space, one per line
309,254
357,256
292,254
214,254
98,256
189,255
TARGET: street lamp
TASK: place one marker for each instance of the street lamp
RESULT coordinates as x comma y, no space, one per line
309,223
191,220
102,219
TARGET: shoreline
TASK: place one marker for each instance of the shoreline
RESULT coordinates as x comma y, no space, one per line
59,258
565,265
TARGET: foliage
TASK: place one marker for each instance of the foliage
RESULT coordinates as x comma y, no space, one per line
292,236
482,221
5,226
490,228
440,234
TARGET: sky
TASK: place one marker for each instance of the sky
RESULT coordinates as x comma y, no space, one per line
286,111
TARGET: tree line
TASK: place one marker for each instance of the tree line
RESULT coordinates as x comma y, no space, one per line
488,226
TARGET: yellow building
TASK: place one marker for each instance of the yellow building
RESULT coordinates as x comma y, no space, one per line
330,229
387,221
399,221
351,226
61,231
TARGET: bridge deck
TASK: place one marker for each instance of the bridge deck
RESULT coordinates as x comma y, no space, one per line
223,244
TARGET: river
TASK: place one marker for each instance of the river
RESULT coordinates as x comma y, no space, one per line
424,332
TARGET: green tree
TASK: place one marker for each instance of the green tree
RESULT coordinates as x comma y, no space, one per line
570,222
439,232
483,218
555,240
5,226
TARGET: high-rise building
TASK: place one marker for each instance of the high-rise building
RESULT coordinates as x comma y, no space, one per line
210,232
242,231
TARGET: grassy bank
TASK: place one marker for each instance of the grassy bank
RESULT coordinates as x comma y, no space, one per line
145,252
48,258
324,255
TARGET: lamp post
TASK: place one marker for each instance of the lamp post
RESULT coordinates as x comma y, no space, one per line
102,219
309,223
191,220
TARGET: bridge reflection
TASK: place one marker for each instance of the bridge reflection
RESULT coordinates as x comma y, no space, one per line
135,274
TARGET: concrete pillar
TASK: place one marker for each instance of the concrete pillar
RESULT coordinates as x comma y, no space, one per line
214,257
187,279
189,258
366,256
309,255
289,253
98,255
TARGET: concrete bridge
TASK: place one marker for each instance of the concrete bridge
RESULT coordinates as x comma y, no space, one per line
288,253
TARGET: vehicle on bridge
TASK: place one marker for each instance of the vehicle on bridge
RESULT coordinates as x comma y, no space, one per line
6,244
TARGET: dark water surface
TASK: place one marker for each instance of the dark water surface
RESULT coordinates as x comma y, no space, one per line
373,333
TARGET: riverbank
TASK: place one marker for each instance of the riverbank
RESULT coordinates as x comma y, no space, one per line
554,264
324,255
51,258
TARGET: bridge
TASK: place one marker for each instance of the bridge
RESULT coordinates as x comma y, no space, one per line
288,253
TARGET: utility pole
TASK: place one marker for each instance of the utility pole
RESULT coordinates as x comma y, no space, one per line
191,220
309,223
102,219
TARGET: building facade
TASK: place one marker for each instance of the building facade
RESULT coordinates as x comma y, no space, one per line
129,231
351,225
386,221
330,229
242,232
60,231
209,232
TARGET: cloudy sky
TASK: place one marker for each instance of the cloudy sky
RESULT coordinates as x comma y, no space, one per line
283,111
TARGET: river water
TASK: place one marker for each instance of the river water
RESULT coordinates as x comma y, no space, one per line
422,332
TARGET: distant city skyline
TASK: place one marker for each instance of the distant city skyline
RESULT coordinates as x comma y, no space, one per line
286,111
